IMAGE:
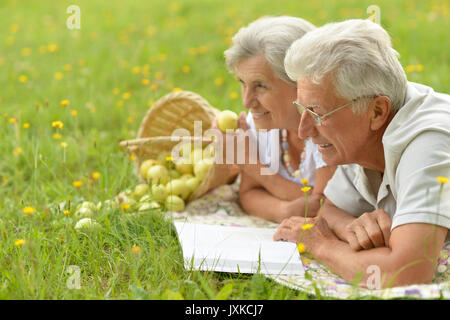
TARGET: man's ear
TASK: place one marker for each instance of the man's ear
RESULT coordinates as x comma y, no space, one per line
380,112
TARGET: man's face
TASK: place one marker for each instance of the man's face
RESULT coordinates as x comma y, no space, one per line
343,136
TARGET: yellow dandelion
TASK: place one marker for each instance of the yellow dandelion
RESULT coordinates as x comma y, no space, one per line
28,210
306,189
169,159
19,243
58,75
177,89
218,81
162,57
96,175
73,112
12,120
57,136
234,95
64,144
153,87
125,206
126,95
305,181
66,212
17,151
132,158
307,226
410,68
301,248
202,49
193,51
145,82
65,103
185,69
136,70
26,125
150,102
77,184
52,47
130,119
14,28
136,249
57,124
67,67
116,91
42,49
419,67
442,180
159,75
25,52
23,78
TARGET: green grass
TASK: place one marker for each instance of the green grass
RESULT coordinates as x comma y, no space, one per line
159,38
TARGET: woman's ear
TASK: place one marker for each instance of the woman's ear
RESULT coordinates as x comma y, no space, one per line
380,112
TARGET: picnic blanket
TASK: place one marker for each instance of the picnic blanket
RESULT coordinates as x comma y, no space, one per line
221,206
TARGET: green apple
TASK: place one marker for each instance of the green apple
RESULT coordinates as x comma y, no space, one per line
88,204
193,184
157,175
227,119
140,190
201,168
87,224
84,212
174,174
148,206
178,187
174,203
146,165
183,166
209,151
159,192
186,176
196,155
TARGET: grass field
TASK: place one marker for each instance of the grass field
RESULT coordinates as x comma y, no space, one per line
127,55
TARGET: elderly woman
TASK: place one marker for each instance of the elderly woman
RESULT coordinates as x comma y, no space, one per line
256,57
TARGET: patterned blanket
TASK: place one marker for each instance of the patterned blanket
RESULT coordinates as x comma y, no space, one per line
221,206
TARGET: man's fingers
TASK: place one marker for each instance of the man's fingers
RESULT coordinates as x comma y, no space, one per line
385,223
353,241
243,121
284,234
374,233
363,238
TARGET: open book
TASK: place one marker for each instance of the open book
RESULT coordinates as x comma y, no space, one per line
237,250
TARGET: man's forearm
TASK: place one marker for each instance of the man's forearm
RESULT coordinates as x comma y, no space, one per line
337,219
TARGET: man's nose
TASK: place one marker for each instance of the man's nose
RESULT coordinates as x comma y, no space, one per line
307,126
248,99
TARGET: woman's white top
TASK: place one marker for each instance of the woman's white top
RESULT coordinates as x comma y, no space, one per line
270,154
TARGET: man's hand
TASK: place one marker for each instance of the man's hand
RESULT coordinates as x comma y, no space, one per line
312,232
370,230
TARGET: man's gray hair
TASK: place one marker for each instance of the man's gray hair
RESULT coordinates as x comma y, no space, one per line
357,54
270,36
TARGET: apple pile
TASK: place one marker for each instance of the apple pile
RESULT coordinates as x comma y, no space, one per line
169,183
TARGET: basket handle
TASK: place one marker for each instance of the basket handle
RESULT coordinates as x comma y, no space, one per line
143,141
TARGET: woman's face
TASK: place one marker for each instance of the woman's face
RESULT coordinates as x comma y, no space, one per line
267,97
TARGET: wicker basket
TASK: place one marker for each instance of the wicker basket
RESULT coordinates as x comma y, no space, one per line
177,110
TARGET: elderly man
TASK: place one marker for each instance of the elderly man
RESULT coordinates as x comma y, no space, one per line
386,212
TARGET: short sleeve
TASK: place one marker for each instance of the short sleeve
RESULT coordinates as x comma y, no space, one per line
421,198
342,192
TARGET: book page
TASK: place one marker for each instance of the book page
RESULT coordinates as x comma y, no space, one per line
237,249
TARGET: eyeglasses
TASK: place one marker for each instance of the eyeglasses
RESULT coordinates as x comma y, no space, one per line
318,118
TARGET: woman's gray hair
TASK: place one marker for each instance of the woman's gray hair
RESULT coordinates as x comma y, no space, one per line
270,36
359,56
